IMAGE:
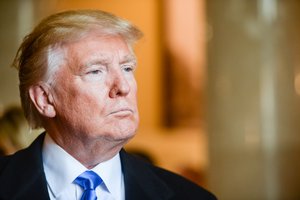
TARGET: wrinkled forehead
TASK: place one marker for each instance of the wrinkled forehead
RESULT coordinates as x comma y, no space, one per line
98,48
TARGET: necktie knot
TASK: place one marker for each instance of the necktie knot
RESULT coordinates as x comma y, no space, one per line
88,181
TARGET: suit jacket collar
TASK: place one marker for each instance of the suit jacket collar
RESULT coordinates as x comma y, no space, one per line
141,182
26,166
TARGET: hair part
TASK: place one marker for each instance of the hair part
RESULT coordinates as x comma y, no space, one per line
39,57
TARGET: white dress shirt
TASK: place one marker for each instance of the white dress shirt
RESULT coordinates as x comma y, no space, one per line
61,169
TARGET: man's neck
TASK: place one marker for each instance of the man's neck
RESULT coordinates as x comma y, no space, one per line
89,152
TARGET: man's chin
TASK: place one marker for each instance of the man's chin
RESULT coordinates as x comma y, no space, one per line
120,138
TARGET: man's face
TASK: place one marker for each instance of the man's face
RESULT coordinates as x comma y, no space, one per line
95,91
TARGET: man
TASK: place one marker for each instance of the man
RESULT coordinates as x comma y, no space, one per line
77,82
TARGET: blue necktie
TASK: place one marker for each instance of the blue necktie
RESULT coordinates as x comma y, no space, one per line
88,180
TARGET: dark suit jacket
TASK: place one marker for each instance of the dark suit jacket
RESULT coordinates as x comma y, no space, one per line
22,177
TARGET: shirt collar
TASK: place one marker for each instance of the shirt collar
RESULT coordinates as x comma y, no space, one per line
111,173
61,169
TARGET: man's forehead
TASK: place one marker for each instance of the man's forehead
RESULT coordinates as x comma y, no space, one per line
100,44
77,63
108,58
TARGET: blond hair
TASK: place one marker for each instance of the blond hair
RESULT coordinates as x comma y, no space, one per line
34,59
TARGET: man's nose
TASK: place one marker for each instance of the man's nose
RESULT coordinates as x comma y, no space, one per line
120,86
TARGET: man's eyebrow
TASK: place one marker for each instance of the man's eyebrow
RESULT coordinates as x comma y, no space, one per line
129,59
97,61
103,60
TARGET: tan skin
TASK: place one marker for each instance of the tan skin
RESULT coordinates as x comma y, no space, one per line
91,109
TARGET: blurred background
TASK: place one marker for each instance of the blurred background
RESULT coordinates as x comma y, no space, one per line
218,95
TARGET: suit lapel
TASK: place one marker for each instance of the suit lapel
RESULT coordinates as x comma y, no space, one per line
141,182
24,176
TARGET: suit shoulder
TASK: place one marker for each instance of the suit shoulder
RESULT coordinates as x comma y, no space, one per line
6,161
3,162
183,186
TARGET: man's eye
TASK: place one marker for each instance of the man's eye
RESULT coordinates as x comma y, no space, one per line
128,69
95,71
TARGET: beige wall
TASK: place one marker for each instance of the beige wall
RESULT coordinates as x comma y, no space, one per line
253,107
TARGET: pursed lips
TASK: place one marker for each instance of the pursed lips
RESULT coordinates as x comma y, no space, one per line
122,112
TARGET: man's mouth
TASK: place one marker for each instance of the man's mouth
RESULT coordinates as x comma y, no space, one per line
122,112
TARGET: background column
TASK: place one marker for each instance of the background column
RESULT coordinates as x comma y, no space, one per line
253,106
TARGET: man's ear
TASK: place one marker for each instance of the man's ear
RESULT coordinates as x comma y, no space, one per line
42,99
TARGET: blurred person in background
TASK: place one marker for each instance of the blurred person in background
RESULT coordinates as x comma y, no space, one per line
13,129
76,73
